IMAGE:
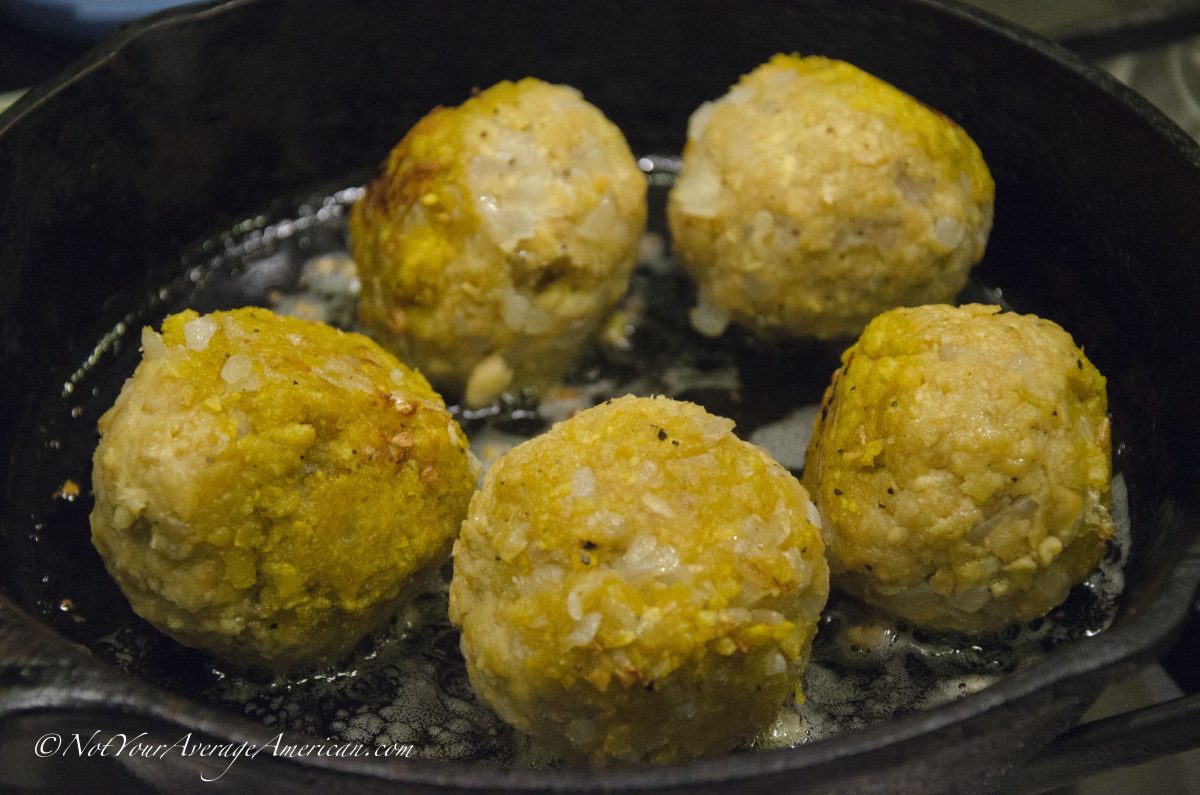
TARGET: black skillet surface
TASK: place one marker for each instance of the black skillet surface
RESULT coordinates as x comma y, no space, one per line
180,126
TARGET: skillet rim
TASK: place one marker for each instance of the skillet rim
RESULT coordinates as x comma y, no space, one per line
1137,638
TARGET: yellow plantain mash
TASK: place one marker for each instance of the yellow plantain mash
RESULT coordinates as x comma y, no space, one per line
498,237
962,464
638,584
814,196
270,488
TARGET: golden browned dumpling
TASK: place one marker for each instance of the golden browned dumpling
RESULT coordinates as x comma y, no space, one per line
498,237
638,584
961,462
814,196
270,488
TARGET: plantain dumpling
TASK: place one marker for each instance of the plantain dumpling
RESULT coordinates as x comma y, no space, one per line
269,489
638,584
498,237
814,196
962,465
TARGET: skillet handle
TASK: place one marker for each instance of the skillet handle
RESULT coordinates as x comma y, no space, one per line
1128,738
1111,743
41,671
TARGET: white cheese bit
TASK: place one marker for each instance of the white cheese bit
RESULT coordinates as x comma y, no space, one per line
699,120
606,526
739,94
345,372
476,468
602,223
575,604
1050,548
237,369
583,483
949,231
800,566
522,315
714,428
198,332
512,542
697,191
645,556
122,517
584,631
971,601
658,505
764,225
513,308
774,664
152,344
814,516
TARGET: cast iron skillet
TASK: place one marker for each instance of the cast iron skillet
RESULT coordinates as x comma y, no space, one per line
180,125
